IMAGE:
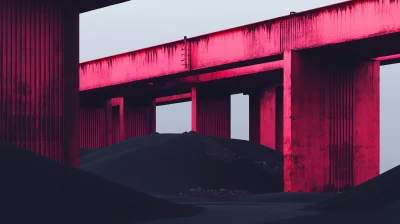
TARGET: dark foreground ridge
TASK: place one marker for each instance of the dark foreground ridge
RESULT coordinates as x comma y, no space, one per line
375,201
37,189
371,196
189,164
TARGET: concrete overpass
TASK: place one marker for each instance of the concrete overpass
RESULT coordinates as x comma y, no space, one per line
312,78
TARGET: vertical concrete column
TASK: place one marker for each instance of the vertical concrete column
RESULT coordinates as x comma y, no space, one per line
93,124
279,118
331,122
262,117
211,112
109,122
115,120
39,78
140,117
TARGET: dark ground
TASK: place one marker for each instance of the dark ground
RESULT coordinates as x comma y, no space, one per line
35,189
189,164
377,200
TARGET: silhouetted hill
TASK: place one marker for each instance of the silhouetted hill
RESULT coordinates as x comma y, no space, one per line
375,201
39,190
86,155
370,196
168,164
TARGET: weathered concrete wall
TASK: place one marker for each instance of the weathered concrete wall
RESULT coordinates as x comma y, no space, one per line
331,122
39,78
93,128
140,117
262,117
115,120
211,112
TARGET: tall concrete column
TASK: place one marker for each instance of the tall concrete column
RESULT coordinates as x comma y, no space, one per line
331,122
39,77
115,120
140,117
211,112
93,128
265,107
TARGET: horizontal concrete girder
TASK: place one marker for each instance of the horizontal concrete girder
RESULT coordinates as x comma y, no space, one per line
234,72
89,5
355,24
179,98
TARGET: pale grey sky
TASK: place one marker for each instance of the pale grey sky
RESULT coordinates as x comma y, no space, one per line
143,23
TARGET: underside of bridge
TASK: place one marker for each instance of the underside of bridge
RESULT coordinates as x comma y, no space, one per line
320,110
39,75
315,99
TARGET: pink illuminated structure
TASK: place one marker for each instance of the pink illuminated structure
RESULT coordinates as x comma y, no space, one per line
39,75
312,78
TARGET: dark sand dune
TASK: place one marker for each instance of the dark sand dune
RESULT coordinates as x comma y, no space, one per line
180,162
368,197
375,201
87,157
282,197
35,189
86,151
287,197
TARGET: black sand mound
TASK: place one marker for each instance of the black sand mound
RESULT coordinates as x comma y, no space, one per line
287,197
370,196
121,147
388,214
86,151
36,189
375,201
181,162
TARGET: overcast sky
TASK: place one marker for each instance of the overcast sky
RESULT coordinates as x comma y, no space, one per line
143,23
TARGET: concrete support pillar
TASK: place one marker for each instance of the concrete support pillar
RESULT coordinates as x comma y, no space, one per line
265,126
140,117
211,112
93,126
331,122
279,119
115,120
39,77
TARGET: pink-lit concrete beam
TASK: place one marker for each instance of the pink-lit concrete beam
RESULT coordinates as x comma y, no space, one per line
331,122
234,72
390,59
179,98
213,76
339,23
89,5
